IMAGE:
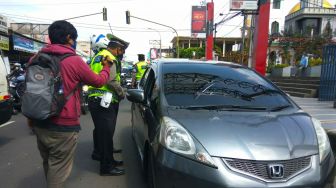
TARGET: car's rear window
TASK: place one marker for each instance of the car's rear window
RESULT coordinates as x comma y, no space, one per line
217,84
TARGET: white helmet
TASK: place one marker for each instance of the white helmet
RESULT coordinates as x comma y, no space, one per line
99,42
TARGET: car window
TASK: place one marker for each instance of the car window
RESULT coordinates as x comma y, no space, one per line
143,79
148,85
216,84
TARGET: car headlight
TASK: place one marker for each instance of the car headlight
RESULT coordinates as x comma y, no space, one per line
85,88
322,139
177,139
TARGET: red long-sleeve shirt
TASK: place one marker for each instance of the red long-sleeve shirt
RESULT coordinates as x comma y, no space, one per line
74,70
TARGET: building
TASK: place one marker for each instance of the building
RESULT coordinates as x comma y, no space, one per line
307,17
83,46
310,18
226,44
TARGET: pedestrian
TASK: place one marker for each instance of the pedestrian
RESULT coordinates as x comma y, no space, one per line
303,64
103,103
57,137
138,70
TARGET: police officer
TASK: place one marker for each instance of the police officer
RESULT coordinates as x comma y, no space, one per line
102,105
116,81
139,69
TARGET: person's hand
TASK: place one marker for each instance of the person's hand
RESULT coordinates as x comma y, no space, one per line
122,96
107,61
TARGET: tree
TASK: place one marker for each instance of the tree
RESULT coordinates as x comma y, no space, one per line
188,52
327,32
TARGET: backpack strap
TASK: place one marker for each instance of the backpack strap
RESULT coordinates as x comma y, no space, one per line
78,85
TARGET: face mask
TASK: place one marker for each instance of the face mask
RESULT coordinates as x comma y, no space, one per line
74,45
120,57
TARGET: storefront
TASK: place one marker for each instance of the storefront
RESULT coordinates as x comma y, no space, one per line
21,48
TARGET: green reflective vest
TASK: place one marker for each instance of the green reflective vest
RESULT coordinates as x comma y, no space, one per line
97,67
141,67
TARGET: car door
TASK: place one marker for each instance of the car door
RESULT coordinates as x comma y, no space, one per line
138,116
148,120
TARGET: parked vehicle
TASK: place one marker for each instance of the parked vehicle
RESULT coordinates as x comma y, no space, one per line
5,98
214,124
16,85
126,77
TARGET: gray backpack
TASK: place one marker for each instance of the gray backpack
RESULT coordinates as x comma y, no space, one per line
43,97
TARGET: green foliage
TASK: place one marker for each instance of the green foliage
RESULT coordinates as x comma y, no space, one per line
188,53
270,67
314,62
281,66
327,32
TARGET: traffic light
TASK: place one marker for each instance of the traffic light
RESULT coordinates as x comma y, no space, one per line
105,14
128,17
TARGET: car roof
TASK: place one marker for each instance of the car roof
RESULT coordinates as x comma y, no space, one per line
180,60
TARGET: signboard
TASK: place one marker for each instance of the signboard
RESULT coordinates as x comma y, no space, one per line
3,24
153,53
244,5
23,44
198,19
26,45
4,43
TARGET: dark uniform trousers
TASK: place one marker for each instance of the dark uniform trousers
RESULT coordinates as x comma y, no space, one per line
104,120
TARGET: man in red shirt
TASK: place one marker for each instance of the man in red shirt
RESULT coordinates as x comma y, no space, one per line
57,137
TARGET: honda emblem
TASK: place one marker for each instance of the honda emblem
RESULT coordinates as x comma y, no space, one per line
276,171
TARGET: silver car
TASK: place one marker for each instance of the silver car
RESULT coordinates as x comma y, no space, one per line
214,124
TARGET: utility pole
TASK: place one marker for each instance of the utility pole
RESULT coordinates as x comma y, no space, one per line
251,36
243,42
261,36
209,36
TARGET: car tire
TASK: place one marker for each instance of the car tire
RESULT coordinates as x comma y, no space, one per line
150,170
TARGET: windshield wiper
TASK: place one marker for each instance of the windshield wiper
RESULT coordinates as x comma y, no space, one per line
263,92
279,108
222,107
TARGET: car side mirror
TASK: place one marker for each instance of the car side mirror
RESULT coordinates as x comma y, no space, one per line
135,95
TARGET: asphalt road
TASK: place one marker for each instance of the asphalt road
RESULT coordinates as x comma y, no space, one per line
21,164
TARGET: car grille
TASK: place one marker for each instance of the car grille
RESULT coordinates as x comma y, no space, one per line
259,169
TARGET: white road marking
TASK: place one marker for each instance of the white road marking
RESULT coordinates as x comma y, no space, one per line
5,124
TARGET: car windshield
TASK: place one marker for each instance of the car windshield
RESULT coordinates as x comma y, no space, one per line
194,86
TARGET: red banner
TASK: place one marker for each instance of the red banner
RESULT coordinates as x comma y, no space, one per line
198,19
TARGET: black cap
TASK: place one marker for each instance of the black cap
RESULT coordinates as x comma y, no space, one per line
141,57
112,37
115,44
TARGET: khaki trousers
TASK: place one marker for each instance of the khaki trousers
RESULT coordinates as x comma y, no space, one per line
57,151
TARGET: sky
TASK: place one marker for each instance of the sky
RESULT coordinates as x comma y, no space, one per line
174,13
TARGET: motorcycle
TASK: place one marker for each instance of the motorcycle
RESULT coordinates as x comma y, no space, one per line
84,99
16,80
126,77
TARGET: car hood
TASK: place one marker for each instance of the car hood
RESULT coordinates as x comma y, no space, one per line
250,135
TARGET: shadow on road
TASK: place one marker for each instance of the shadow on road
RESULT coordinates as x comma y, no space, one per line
35,180
134,177
4,140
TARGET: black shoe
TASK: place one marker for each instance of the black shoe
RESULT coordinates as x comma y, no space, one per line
112,172
95,157
118,163
117,150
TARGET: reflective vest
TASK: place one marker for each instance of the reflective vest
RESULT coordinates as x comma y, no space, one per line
141,67
97,67
118,67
